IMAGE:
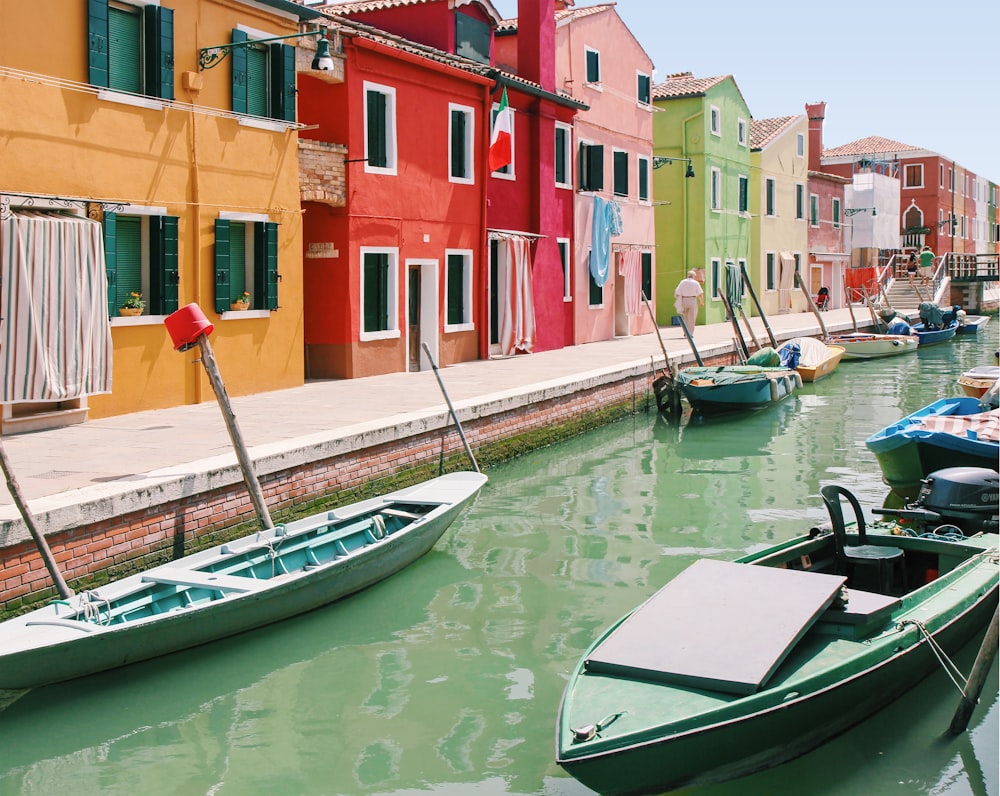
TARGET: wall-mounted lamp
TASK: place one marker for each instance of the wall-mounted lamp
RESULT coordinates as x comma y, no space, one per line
213,56
662,160
953,221
853,211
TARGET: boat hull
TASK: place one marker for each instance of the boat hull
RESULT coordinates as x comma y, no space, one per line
933,336
811,373
44,646
875,346
973,324
734,388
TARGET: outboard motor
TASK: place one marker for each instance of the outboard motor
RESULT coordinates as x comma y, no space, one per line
964,499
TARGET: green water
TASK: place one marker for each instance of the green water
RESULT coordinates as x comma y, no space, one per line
446,678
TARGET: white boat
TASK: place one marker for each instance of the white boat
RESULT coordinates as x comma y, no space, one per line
864,345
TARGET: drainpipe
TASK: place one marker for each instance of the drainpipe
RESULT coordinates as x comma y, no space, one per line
193,86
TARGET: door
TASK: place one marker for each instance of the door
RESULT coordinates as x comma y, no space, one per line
413,318
421,313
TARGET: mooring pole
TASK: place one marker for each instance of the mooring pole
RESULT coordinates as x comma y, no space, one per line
447,400
977,677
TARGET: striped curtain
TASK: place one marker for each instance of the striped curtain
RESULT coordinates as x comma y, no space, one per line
55,338
517,322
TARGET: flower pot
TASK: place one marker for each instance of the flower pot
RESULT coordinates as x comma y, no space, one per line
130,312
239,305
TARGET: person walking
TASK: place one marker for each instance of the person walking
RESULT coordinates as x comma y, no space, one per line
688,296
926,258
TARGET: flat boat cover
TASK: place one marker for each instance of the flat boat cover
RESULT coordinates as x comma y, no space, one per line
718,625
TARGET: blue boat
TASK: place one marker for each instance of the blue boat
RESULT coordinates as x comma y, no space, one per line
736,387
972,324
930,336
951,432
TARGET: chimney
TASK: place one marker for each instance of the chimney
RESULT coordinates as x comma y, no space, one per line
536,42
562,5
816,112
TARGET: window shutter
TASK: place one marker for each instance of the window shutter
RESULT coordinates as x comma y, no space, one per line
458,144
456,293
159,31
376,130
238,260
595,168
643,89
561,155
282,82
620,161
265,270
238,57
646,258
643,179
98,42
222,287
163,271
111,261
125,50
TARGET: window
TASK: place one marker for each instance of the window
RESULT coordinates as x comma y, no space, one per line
772,272
246,260
646,263
595,297
593,66
798,262
380,129
643,179
564,259
379,293
263,78
716,189
800,201
744,198
140,254
716,275
913,175
564,178
620,163
131,49
741,132
836,214
715,116
813,210
800,145
643,86
458,290
461,126
941,168
591,167
769,196
472,38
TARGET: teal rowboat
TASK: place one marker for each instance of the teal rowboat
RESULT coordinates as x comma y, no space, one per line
734,667
736,387
237,586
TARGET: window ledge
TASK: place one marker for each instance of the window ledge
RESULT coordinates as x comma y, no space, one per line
389,334
138,320
237,315
459,327
131,99
260,123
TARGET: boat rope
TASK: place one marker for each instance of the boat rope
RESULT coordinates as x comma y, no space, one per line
953,672
91,603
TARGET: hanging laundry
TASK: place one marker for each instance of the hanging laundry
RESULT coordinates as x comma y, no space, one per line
630,268
607,222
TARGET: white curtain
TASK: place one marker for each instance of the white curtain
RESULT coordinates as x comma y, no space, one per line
630,269
517,323
55,339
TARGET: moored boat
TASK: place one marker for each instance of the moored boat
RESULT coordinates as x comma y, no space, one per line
733,667
862,345
811,358
950,432
929,335
244,584
977,381
736,387
972,324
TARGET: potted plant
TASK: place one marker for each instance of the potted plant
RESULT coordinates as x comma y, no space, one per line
242,303
134,305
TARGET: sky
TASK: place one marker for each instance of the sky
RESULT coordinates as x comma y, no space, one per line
921,73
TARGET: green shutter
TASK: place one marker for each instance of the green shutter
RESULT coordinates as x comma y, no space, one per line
593,67
237,259
265,270
647,274
456,289
376,130
596,292
163,269
238,57
561,155
595,168
125,50
221,265
282,82
98,42
643,179
620,162
258,81
128,245
458,144
111,260
159,35
376,292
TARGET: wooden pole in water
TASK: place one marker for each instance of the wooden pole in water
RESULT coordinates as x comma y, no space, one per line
663,348
760,309
447,400
811,303
43,548
673,396
847,299
977,678
253,486
687,334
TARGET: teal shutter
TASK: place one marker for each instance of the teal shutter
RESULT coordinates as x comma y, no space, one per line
239,66
237,259
265,271
125,50
561,176
643,180
222,287
456,292
159,35
128,244
111,261
97,53
646,259
376,130
376,292
458,144
258,82
620,166
282,82
164,275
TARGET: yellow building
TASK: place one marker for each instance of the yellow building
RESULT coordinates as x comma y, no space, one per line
134,160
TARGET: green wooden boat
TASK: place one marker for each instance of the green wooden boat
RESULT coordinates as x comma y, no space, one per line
733,667
231,588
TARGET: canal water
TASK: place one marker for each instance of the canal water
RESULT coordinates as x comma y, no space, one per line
446,678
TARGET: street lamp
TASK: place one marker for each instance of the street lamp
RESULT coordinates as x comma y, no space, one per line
322,62
662,160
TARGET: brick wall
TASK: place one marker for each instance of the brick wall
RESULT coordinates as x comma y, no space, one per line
322,176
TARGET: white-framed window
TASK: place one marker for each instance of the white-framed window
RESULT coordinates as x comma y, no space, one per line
458,290
771,276
715,117
591,167
800,145
565,259
461,146
741,132
837,213
246,261
619,161
744,196
913,175
643,164
379,293
769,197
131,49
593,58
800,201
564,155
813,210
716,188
643,88
506,172
941,170
380,128
716,267
140,253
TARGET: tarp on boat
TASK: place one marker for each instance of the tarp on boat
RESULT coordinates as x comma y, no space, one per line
983,426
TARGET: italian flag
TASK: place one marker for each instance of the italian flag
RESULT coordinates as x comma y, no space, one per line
503,128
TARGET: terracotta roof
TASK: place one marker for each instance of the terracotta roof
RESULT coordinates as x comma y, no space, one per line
684,84
348,7
510,25
764,131
872,145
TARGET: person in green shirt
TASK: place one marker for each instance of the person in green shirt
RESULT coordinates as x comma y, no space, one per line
926,258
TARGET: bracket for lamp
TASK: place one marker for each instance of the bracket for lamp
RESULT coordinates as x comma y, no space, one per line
213,56
853,211
663,160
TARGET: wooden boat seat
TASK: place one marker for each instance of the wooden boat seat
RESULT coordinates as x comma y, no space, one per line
407,515
202,580
864,613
